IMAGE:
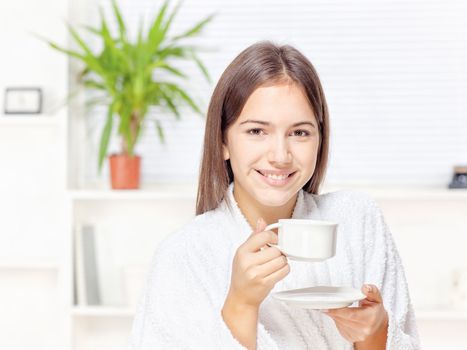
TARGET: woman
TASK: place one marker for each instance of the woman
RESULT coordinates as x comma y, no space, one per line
265,155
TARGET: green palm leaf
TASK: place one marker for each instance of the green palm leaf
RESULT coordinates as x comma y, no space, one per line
121,23
104,144
160,131
174,88
201,66
195,30
129,72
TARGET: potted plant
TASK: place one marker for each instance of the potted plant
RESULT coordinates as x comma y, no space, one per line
126,72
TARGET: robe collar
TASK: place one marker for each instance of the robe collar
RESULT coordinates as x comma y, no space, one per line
305,208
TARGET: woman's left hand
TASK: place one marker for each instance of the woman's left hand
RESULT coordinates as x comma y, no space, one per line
358,324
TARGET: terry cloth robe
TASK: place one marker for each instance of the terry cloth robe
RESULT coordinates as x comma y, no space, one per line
190,276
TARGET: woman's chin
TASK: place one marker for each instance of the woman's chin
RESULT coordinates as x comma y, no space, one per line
274,199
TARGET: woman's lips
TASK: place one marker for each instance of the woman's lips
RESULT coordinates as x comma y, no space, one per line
276,182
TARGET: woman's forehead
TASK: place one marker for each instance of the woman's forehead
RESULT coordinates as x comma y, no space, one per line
286,103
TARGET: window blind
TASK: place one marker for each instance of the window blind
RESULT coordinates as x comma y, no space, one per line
394,74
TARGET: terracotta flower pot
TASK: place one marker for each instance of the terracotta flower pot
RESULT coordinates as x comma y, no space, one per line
124,171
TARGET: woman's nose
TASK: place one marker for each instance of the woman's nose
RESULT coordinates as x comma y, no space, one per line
280,152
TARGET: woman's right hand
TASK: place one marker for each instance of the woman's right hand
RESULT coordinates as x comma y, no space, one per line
256,267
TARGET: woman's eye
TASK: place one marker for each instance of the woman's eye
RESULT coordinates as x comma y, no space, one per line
255,131
301,133
259,132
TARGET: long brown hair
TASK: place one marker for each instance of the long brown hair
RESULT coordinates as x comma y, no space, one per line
261,64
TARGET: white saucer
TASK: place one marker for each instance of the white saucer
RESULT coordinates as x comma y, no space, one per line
319,298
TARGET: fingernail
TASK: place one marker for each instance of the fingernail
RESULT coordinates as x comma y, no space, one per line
369,289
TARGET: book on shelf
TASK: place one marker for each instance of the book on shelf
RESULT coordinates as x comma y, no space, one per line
87,289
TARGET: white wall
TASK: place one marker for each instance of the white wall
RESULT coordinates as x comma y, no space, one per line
32,180
26,60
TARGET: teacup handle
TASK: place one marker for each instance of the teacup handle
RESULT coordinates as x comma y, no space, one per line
270,227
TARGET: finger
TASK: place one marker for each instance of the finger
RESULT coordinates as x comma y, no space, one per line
275,277
265,255
259,240
372,293
354,322
260,225
347,313
271,266
351,332
366,303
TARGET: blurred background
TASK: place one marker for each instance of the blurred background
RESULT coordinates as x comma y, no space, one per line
74,251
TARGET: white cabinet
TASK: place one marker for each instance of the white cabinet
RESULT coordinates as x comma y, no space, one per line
33,232
128,226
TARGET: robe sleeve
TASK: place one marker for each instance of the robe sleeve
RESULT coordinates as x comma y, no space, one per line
384,269
178,309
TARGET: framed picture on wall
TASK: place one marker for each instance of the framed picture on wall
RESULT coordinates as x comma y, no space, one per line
23,100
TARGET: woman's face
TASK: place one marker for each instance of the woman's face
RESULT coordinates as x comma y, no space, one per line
273,145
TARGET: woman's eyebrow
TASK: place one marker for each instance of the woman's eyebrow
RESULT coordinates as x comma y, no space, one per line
262,122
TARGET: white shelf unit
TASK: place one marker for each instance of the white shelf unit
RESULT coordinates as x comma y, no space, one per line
102,311
405,192
188,191
29,264
446,314
33,265
135,221
148,192
30,120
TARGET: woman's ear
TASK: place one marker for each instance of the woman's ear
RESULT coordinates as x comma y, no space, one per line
225,151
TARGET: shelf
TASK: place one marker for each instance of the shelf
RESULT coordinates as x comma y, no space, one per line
445,314
188,191
404,192
422,314
148,192
28,264
28,120
102,311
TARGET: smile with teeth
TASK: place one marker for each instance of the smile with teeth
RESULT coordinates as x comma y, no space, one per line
276,177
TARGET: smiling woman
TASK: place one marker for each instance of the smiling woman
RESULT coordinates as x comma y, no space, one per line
263,96
264,159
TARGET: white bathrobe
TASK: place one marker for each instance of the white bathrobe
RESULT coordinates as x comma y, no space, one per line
190,277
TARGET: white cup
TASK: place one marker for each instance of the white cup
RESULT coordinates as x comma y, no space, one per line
306,240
